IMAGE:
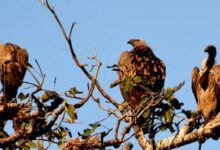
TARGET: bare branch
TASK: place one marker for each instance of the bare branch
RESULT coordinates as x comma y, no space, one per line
139,135
39,67
68,39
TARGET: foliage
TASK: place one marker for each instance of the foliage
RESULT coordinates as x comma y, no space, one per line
88,132
160,117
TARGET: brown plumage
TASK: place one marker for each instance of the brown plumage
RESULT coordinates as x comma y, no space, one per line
13,65
140,72
206,85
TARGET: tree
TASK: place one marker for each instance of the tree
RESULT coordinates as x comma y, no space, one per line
39,113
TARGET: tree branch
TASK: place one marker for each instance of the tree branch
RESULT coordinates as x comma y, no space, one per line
185,135
77,62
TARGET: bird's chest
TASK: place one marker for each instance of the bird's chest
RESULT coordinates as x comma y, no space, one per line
208,92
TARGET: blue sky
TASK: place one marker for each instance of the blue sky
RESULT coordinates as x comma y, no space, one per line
177,31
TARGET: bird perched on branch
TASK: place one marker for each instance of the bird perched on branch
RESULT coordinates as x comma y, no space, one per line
141,73
206,85
13,65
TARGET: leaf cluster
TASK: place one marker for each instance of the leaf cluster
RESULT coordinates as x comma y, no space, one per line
161,116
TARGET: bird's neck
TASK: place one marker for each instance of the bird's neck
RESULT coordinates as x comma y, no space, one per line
210,61
207,65
142,49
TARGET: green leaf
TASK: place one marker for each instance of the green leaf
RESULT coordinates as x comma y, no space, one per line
24,147
94,125
71,112
123,106
31,144
22,96
87,132
48,95
168,94
138,79
147,113
50,135
3,134
168,116
127,84
163,128
74,91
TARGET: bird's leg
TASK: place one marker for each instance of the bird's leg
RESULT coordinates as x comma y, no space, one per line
197,122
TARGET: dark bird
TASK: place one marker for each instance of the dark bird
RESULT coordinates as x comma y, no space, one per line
13,65
141,73
206,85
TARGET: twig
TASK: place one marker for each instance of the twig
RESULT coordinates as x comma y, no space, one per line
71,29
104,108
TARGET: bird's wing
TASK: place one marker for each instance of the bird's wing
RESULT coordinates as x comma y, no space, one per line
126,72
125,66
216,72
155,73
195,76
161,73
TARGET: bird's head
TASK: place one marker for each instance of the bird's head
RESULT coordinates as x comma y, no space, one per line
137,42
211,50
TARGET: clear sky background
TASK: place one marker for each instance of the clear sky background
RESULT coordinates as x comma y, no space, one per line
177,31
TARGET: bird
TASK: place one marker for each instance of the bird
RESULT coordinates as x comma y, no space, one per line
13,66
140,73
206,85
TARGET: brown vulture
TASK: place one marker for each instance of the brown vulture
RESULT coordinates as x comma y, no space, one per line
206,85
141,73
13,65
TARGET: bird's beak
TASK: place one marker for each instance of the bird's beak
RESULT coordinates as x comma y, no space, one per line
130,41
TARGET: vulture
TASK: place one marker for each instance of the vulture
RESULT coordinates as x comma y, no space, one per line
206,85
13,65
140,72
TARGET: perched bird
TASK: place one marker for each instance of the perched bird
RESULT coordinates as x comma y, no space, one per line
141,73
13,65
206,85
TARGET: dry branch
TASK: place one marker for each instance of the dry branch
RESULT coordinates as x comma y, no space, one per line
74,56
